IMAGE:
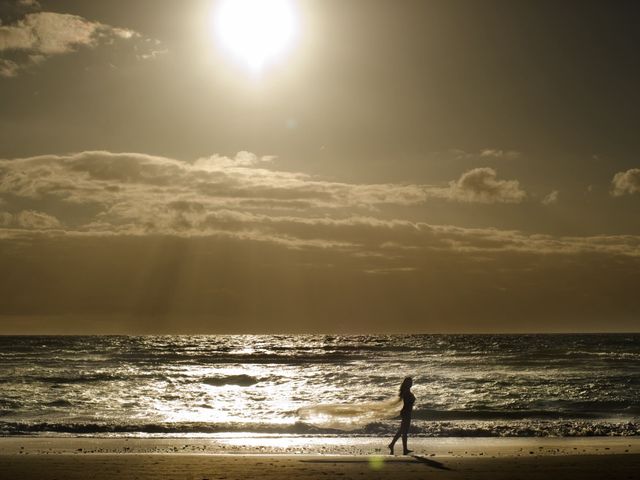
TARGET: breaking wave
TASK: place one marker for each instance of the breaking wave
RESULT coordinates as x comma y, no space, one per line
427,429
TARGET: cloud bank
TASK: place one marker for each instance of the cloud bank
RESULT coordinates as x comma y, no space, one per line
234,244
38,36
245,197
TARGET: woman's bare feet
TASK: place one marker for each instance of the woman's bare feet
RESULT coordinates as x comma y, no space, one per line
390,447
407,452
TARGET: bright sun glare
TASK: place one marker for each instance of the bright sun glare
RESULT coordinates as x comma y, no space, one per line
256,32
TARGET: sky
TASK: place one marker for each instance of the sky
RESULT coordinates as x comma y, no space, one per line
403,167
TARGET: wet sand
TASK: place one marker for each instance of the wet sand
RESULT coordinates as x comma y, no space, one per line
81,458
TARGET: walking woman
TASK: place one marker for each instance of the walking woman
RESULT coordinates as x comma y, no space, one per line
408,399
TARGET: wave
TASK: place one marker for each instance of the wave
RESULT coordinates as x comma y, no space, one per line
378,429
27,428
191,358
240,380
60,403
606,355
87,378
428,414
465,384
9,404
349,416
71,379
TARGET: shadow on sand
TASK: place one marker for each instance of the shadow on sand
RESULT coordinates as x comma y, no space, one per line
431,463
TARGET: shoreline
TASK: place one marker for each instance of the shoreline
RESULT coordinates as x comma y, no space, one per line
301,445
229,458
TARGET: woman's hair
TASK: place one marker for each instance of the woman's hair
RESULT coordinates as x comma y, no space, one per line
405,386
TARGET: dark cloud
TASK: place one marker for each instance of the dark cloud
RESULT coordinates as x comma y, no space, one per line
13,10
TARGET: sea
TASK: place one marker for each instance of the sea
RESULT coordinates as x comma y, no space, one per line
198,386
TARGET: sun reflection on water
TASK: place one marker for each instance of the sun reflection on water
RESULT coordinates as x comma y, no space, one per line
214,384
213,397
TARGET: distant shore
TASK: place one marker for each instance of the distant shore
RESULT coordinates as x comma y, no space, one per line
232,457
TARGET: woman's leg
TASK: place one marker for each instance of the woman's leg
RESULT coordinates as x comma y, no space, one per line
395,439
404,427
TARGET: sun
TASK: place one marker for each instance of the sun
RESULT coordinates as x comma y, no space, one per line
255,32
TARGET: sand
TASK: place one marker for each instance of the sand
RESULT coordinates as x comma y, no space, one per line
329,458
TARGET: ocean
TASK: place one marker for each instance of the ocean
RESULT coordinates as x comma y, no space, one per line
173,386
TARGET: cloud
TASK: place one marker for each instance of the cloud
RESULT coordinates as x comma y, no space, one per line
484,154
28,219
551,198
235,239
107,178
8,68
626,183
497,153
37,36
13,10
29,3
481,185
245,198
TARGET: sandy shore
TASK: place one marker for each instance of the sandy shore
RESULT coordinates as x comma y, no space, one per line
304,458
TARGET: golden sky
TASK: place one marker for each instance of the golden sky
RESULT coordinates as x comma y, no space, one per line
349,166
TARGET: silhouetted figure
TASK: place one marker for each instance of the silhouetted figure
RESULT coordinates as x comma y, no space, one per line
408,399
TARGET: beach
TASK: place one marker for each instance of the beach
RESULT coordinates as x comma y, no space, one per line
210,407
238,457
